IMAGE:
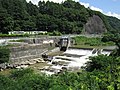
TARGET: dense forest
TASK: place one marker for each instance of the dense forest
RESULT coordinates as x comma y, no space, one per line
67,17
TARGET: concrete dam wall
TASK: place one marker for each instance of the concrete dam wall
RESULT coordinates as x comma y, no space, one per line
30,49
27,52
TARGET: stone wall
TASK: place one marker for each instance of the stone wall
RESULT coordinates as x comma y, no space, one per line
27,52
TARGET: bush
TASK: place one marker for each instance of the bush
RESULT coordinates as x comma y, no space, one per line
20,73
14,35
55,33
4,54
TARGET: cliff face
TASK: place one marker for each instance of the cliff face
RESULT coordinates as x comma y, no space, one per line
95,25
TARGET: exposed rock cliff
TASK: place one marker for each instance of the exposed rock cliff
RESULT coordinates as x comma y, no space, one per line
95,25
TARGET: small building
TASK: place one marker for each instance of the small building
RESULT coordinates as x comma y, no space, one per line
27,32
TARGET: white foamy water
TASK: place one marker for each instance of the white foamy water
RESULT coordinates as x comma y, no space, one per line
71,62
77,51
56,67
47,72
2,40
106,53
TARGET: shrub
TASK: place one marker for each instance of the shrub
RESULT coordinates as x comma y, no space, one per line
14,35
55,33
4,54
20,73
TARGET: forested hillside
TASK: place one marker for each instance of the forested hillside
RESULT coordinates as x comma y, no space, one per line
114,23
67,17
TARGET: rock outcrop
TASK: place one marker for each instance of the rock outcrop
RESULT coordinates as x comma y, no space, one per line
95,25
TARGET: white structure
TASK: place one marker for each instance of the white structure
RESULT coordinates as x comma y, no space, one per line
27,32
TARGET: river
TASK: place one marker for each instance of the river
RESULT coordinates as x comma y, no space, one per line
72,59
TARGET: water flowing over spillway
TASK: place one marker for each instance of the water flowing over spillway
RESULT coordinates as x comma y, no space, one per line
72,59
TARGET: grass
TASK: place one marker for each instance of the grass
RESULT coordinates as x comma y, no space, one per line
6,72
56,53
94,42
87,46
38,66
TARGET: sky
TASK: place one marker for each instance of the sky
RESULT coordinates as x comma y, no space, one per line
108,7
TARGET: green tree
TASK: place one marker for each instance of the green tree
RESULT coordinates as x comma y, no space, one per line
4,54
6,22
32,9
114,37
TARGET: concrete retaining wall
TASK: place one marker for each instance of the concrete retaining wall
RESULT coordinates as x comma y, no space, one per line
27,52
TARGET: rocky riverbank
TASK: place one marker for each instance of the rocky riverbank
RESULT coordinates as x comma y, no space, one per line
23,64
27,62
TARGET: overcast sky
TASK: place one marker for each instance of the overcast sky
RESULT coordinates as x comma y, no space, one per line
108,7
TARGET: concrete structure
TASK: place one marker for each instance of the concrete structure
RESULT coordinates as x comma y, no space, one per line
64,43
27,52
31,49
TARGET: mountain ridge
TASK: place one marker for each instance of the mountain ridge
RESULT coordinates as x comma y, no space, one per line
67,17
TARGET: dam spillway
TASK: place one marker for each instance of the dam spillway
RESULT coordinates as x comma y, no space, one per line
72,59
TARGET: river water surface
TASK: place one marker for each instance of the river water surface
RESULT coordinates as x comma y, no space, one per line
72,59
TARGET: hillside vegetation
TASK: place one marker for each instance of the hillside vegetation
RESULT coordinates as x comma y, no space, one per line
67,17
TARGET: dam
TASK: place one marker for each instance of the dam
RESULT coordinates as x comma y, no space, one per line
31,50
72,59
